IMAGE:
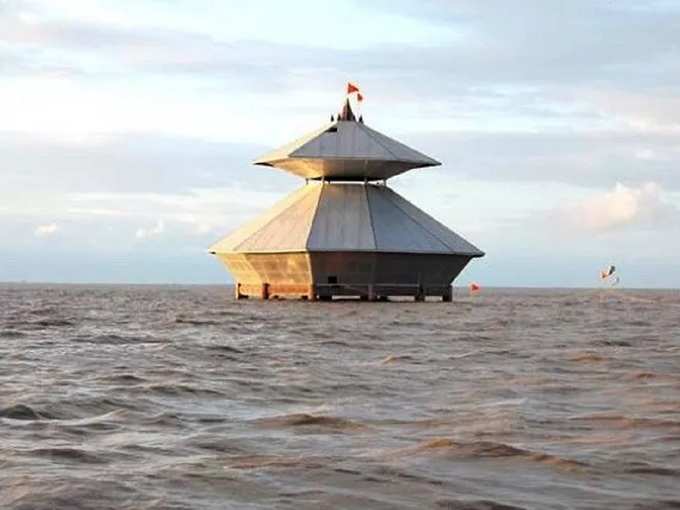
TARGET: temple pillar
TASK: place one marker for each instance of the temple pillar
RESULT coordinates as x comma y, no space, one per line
447,297
371,293
264,291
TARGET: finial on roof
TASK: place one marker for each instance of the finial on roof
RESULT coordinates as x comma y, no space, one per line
347,113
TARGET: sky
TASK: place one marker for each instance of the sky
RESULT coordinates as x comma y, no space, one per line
128,128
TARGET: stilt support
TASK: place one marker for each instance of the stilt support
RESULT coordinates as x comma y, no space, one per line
447,297
311,293
371,293
237,291
264,293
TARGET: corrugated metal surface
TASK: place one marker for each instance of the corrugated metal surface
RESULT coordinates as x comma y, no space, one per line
355,151
345,217
396,231
455,242
398,150
289,230
350,140
284,151
343,221
235,241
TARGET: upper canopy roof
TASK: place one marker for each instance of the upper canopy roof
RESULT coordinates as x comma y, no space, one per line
345,150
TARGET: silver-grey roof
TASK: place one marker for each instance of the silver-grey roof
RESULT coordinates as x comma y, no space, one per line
345,150
345,217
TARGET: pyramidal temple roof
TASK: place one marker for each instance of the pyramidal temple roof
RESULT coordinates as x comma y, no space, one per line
346,150
345,217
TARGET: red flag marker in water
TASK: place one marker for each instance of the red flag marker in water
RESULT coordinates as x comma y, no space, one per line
474,287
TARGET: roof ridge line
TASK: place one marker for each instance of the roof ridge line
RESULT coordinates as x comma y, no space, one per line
265,225
436,221
370,215
368,130
297,143
420,224
316,214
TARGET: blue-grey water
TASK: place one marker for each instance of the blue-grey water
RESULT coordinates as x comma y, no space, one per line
167,397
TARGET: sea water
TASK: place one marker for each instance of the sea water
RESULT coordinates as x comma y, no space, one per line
170,397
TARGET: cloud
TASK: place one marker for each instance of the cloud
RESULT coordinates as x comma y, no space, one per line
497,42
213,211
129,162
583,159
46,230
658,112
623,206
115,117
144,233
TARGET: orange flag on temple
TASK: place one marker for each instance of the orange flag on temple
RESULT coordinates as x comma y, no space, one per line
352,88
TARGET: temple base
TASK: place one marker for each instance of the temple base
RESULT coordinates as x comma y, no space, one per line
326,292
324,276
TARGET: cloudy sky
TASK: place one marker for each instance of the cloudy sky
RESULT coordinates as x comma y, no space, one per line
127,128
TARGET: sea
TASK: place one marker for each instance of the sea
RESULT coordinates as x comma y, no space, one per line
180,397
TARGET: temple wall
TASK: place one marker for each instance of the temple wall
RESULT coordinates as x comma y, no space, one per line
257,268
343,273
403,272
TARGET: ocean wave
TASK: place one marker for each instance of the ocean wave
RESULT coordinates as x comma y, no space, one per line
587,357
113,339
443,446
122,379
24,412
197,322
481,504
338,343
309,420
645,468
164,419
626,422
11,333
66,454
656,377
395,358
90,407
53,323
274,461
224,348
179,390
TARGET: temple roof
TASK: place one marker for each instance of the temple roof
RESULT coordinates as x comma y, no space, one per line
346,150
345,217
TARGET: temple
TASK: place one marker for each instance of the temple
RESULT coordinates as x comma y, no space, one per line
345,232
